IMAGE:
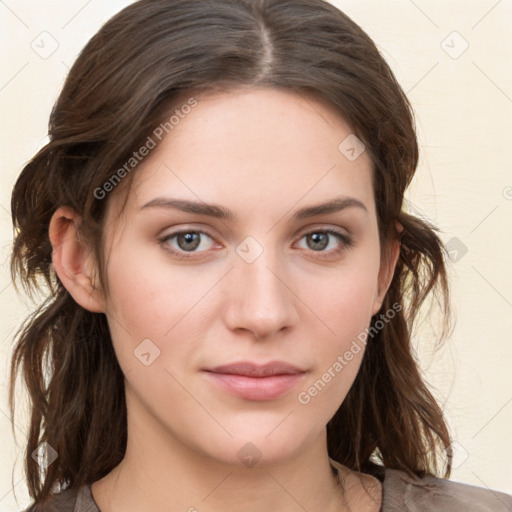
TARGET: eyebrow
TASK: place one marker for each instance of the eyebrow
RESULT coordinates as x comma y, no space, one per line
219,212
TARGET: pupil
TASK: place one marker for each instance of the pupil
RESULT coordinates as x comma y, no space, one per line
188,238
319,240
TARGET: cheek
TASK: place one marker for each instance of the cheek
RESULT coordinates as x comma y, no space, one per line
344,298
150,312
144,304
173,306
147,295
344,305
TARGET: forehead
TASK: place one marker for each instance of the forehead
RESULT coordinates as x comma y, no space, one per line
253,149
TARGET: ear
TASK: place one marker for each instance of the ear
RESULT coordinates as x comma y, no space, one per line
73,260
387,271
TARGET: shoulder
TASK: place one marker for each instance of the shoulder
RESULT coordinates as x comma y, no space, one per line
69,500
402,492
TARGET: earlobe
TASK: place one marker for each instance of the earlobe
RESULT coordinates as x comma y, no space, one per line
73,261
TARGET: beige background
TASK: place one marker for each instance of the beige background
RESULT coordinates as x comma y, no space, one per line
463,102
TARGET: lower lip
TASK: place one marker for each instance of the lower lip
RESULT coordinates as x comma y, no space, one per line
256,388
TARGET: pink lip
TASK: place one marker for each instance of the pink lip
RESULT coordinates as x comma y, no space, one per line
256,382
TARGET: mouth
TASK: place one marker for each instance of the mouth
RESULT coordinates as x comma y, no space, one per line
256,382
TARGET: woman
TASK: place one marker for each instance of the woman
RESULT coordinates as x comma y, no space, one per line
233,281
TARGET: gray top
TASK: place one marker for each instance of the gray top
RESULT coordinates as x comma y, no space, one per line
401,493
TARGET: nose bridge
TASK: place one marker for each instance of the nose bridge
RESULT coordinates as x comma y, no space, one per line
261,302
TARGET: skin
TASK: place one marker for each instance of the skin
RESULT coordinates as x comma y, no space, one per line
263,154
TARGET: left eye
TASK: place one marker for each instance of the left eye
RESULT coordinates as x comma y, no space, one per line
321,239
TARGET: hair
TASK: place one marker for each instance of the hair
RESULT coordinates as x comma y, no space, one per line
124,83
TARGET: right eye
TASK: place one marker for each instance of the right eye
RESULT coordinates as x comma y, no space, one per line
185,242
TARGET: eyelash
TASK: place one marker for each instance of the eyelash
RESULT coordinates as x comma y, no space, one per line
346,241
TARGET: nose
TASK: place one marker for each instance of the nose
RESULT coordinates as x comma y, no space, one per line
261,299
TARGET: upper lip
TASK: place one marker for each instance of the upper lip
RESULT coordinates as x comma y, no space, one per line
250,369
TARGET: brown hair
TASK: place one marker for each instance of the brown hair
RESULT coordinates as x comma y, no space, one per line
121,87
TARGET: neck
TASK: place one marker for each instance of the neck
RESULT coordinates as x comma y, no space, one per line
206,486
159,472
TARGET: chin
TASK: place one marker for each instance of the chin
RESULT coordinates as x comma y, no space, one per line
253,446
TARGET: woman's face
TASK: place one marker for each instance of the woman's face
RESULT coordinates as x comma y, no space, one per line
242,269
